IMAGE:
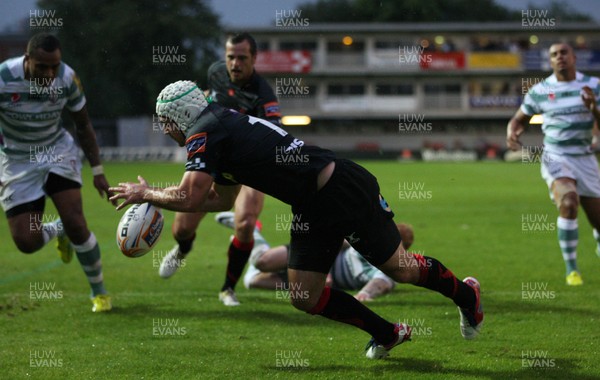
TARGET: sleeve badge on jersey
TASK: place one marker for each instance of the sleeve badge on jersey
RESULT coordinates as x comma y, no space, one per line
272,109
384,205
196,144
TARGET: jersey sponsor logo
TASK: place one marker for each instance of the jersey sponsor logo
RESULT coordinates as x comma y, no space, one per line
272,109
40,116
196,144
294,146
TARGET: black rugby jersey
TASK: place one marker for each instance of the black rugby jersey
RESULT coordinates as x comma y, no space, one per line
241,149
256,98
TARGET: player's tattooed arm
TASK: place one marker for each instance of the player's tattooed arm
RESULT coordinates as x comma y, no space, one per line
196,192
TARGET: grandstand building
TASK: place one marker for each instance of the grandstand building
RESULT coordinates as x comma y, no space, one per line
389,87
381,90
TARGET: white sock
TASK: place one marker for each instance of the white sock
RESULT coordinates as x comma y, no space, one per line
51,230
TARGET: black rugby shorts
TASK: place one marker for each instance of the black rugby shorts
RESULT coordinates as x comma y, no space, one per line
349,207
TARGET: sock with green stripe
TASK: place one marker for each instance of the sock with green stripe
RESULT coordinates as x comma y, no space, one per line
88,255
568,238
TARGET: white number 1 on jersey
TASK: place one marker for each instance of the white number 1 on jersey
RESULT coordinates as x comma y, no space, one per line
253,120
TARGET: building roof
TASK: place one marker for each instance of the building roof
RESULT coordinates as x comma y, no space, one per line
411,27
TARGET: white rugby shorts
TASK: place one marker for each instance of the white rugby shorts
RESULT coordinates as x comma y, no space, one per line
23,177
583,169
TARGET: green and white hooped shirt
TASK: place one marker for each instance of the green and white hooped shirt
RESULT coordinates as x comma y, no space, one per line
352,271
567,122
30,110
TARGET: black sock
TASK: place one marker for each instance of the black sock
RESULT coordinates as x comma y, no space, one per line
237,256
435,276
342,307
185,246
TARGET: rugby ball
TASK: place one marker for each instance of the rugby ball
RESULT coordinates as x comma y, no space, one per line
139,229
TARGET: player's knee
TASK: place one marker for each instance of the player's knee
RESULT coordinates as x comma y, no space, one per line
244,228
303,304
247,222
403,276
78,233
262,264
401,273
304,300
569,204
404,268
310,301
182,231
26,244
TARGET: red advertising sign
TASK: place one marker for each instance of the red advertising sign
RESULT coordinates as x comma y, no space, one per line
442,61
294,61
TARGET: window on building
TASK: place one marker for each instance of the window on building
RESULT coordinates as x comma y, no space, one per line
339,47
345,89
298,45
263,45
392,45
439,89
393,89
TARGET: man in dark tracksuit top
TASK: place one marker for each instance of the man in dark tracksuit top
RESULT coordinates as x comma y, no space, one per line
254,98
234,84
331,199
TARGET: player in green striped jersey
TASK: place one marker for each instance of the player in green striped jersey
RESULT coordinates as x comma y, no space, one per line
567,101
39,158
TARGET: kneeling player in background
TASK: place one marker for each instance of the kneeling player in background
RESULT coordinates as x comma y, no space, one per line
350,271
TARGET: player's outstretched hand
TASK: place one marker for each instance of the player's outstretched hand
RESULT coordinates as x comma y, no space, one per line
130,192
587,95
101,184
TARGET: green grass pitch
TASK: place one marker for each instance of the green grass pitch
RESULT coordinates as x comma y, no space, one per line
489,220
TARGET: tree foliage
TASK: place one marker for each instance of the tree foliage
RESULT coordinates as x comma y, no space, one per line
563,11
424,11
126,51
